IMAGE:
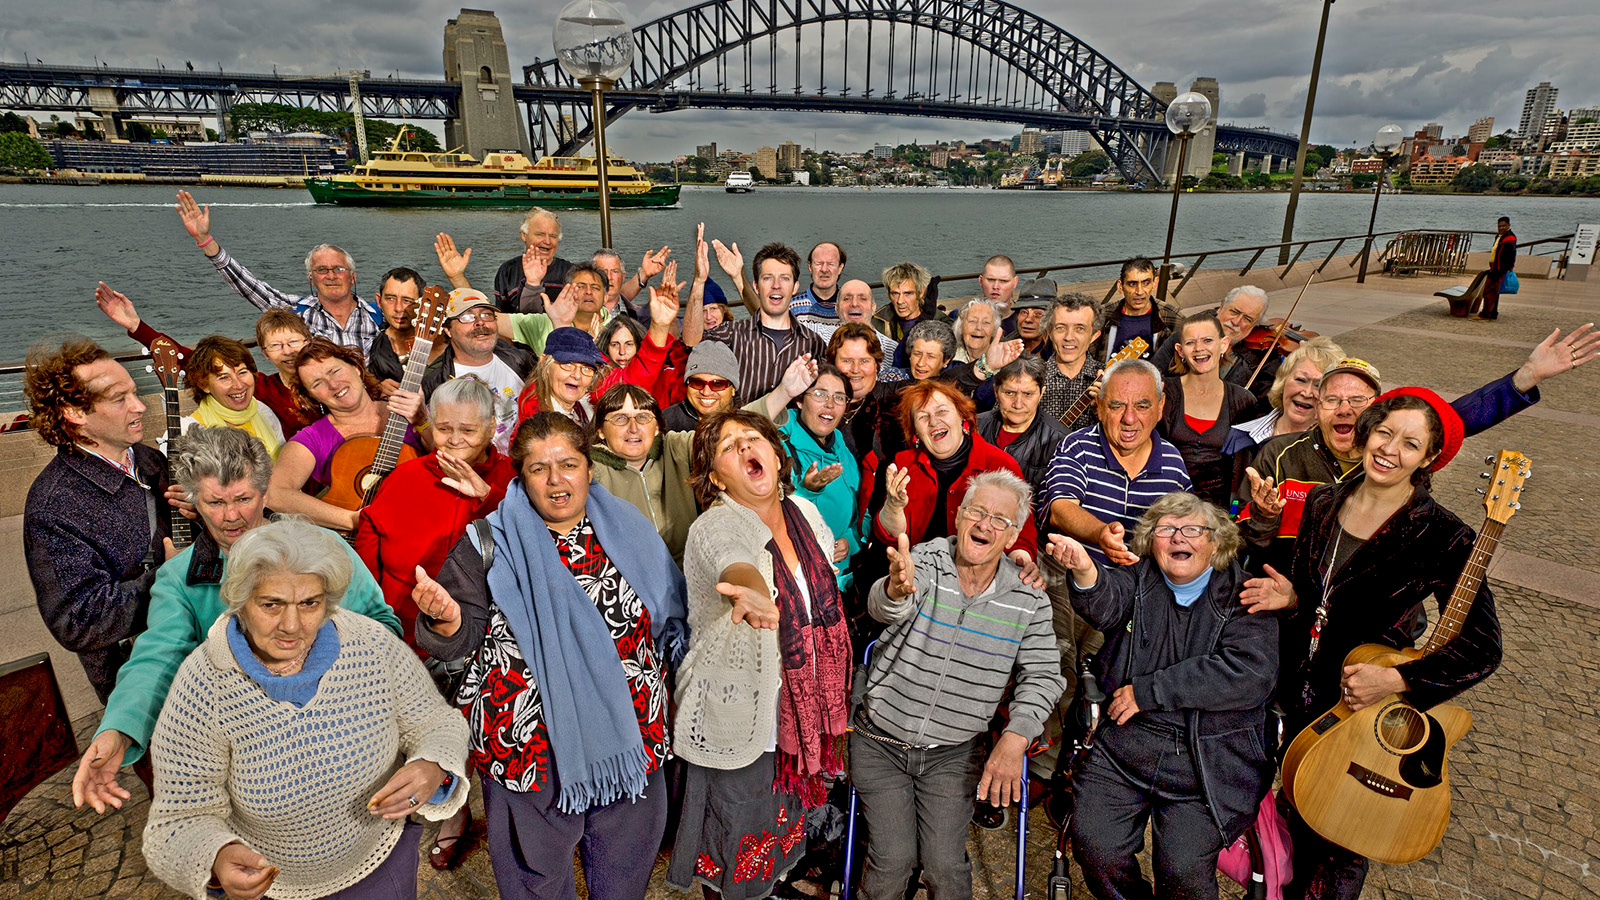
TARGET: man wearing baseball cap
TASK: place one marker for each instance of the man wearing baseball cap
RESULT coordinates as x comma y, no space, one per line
1030,305
1288,466
476,349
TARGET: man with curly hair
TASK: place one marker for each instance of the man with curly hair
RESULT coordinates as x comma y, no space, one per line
95,526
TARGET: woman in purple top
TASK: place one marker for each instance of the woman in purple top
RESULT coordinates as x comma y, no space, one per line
334,378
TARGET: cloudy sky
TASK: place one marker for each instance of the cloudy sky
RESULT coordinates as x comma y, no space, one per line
1447,61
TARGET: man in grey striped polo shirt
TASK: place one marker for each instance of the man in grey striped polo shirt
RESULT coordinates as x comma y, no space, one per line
961,622
1105,476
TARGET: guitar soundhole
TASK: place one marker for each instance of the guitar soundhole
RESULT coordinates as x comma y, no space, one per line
1402,729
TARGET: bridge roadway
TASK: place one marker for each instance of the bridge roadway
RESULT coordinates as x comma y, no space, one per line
1526,778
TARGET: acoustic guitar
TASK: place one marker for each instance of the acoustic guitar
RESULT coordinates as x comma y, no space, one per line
1132,350
1376,781
166,362
361,462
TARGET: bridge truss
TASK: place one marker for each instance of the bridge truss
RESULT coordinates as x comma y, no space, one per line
970,59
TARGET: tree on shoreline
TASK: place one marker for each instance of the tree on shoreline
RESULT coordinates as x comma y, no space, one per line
21,153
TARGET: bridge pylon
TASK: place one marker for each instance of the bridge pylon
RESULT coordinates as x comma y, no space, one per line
475,58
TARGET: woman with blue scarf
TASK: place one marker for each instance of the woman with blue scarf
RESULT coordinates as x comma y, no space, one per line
567,608
1189,672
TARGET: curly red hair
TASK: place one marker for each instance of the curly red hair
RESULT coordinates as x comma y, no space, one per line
51,385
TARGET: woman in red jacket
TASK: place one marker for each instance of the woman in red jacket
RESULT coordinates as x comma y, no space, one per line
926,481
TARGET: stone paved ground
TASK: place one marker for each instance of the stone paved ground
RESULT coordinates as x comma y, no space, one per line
1527,778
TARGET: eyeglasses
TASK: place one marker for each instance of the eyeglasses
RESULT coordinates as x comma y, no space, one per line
623,420
576,368
321,271
825,396
285,346
1189,531
1356,403
977,514
709,385
473,317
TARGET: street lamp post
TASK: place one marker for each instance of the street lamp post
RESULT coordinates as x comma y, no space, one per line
1387,141
595,46
1186,115
1305,137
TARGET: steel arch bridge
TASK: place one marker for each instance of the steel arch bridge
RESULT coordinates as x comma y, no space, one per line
983,60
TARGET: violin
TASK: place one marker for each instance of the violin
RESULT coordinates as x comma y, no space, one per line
1267,335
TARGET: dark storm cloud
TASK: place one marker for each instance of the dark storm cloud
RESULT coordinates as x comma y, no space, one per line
1449,61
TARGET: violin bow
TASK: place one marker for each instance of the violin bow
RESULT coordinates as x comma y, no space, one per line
1282,327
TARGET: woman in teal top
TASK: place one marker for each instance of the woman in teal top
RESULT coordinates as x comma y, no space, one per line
825,471
225,473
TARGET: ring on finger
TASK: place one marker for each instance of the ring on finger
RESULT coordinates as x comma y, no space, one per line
412,801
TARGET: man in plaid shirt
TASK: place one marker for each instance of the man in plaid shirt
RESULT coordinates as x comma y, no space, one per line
331,311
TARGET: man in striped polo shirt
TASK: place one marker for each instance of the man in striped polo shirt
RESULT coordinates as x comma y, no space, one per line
960,623
1105,476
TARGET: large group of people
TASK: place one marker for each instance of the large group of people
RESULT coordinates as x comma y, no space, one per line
650,569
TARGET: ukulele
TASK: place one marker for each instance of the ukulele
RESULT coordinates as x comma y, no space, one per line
1132,350
166,361
1376,781
361,462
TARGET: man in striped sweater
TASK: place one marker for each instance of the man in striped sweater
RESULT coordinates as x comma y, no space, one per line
962,626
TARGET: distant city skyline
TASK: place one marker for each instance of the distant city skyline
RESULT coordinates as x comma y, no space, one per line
1384,62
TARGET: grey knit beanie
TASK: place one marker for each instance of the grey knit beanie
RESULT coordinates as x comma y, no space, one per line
713,358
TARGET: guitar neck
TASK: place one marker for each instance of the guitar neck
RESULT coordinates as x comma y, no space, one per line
182,533
394,430
1079,406
1466,590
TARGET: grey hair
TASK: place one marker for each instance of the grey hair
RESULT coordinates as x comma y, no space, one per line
933,330
226,454
287,544
468,390
1005,481
1183,505
349,261
1247,290
536,213
1074,301
1141,366
605,253
1030,366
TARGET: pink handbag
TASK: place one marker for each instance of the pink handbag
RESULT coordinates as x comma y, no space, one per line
1273,833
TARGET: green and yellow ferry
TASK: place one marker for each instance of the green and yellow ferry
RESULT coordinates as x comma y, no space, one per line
397,177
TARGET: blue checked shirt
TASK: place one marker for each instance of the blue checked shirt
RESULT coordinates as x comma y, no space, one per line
364,325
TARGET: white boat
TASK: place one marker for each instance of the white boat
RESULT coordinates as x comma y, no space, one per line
739,183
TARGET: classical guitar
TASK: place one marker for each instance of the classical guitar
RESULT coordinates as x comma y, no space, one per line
1132,350
358,464
166,361
1376,781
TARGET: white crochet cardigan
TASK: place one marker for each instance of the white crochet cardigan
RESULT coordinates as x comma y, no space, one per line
727,687
292,783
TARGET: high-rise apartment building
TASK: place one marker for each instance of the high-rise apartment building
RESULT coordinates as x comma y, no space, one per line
1434,130
789,155
1030,141
767,163
1540,103
1481,130
706,151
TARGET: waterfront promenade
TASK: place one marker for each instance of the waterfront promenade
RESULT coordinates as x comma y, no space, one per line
1527,778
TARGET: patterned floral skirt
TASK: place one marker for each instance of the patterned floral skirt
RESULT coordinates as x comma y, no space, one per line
737,836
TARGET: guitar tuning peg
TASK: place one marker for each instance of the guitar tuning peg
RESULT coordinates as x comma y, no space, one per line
1480,490
1483,474
1489,460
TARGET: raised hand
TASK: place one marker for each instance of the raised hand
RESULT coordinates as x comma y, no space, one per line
454,262
436,603
1556,354
196,218
534,265
1002,353
664,305
407,789
702,262
1269,593
117,307
753,608
243,873
902,569
670,280
730,259
1114,544
800,375
95,782
1070,554
1264,497
896,487
820,476
460,477
651,265
564,308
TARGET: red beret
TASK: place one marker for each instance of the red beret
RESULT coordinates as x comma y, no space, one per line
1454,431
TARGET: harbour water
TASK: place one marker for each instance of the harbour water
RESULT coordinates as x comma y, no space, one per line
60,240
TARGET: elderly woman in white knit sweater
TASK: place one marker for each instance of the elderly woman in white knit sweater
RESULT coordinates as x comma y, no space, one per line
298,738
763,692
